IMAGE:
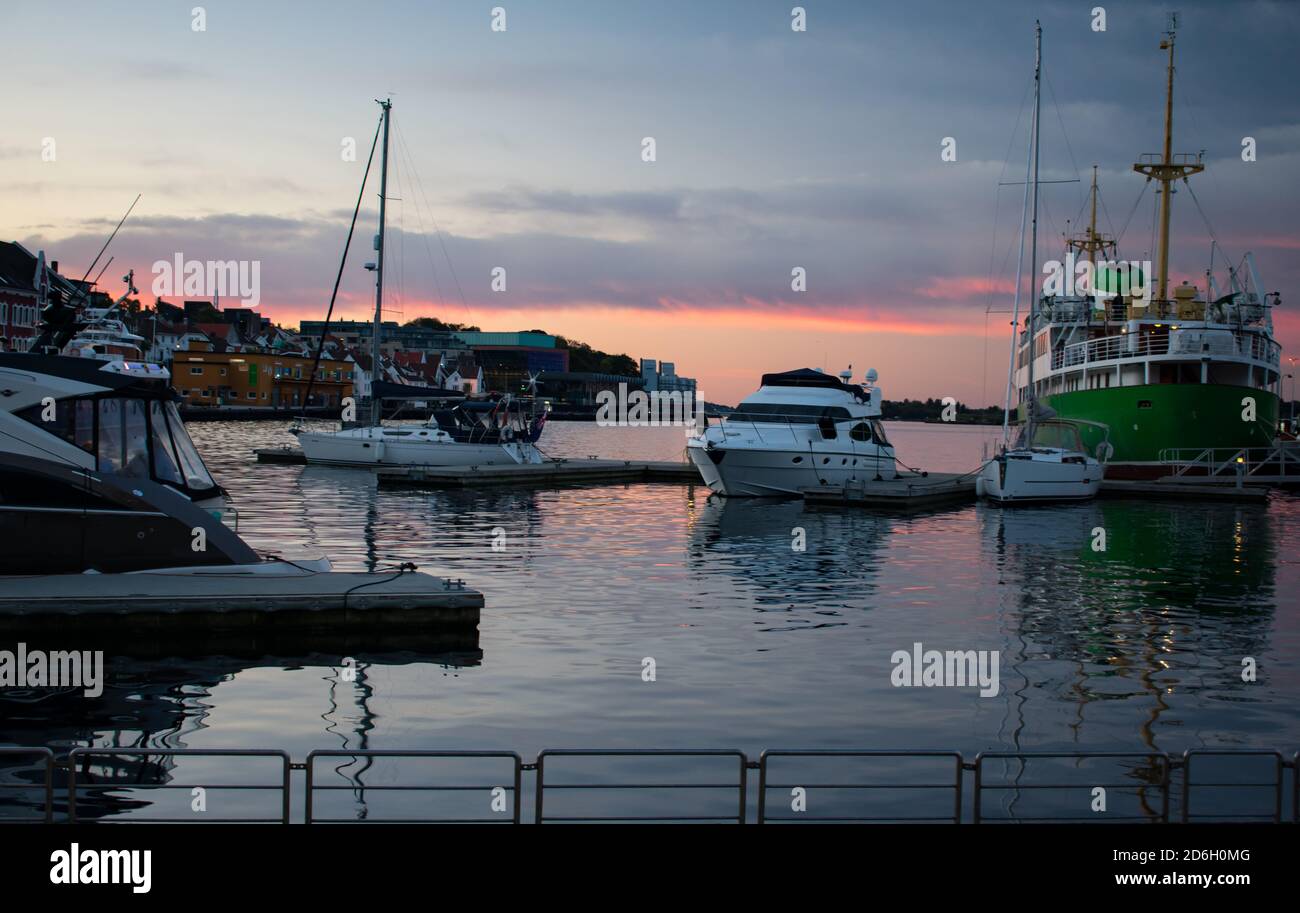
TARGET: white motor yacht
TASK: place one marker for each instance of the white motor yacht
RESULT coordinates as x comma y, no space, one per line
801,429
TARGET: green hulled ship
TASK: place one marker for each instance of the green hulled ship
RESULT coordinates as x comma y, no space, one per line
1173,373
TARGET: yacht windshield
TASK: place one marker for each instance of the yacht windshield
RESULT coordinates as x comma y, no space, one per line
166,467
191,464
123,437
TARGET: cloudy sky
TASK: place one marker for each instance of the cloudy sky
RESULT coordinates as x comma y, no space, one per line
775,149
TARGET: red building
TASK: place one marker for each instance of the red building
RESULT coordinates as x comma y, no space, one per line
19,299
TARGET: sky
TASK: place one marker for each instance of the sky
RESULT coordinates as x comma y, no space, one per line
775,149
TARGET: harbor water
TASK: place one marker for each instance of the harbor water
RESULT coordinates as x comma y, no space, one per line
754,643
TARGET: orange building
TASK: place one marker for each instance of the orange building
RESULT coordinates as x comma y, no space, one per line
264,380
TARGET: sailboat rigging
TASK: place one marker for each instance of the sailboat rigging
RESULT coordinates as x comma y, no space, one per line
463,431
1048,462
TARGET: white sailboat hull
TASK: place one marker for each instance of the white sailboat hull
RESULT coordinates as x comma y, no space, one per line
408,447
1027,476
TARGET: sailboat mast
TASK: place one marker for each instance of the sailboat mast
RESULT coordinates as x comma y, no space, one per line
376,414
1033,244
1020,283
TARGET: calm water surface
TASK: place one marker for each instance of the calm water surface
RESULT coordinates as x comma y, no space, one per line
756,645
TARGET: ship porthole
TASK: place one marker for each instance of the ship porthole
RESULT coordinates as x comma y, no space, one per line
797,460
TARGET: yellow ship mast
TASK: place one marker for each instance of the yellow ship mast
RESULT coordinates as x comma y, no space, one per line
1093,242
1168,168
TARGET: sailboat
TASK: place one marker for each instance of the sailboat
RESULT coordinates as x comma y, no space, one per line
1048,462
462,431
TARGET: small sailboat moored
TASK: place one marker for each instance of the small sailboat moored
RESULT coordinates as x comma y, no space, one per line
499,429
1048,462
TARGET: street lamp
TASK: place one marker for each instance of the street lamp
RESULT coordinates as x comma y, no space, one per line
1292,376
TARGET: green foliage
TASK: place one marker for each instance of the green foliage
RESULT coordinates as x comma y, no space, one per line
433,323
931,410
583,357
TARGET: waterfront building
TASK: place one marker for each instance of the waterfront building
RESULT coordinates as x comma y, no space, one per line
578,390
509,359
663,378
247,379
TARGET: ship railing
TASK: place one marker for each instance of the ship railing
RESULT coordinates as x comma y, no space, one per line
1109,348
1279,462
187,785
1112,348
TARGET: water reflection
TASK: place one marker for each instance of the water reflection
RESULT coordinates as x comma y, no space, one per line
789,557
1169,606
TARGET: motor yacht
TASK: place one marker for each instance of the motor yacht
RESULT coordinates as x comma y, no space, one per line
97,472
801,429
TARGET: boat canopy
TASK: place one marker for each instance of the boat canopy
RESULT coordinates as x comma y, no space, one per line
807,377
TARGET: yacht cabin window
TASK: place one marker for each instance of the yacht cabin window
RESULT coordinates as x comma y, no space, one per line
783,413
142,438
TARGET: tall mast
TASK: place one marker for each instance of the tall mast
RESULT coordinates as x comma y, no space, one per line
1166,170
1033,244
1092,242
1020,283
376,414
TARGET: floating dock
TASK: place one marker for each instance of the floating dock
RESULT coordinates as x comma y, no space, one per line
153,602
916,492
1183,489
551,474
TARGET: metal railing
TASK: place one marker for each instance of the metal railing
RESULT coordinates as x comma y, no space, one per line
1273,781
1277,463
373,765
155,785
1085,792
801,788
711,809
1190,343
1109,348
11,782
112,787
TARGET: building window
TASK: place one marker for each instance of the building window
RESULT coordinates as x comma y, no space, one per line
223,372
194,370
252,395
